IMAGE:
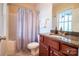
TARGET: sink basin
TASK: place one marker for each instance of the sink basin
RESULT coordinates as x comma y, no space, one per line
61,38
54,36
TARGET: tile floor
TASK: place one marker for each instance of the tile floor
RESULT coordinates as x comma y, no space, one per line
24,53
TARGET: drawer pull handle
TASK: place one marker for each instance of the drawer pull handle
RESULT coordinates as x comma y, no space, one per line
51,51
68,50
55,53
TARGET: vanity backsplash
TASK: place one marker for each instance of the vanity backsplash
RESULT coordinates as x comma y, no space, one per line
67,33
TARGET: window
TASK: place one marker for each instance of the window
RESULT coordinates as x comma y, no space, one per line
65,20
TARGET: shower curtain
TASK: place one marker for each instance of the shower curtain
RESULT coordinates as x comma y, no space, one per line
27,27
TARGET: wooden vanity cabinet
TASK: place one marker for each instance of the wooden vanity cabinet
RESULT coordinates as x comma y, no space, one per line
51,47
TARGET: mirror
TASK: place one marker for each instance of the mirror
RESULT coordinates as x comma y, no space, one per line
59,8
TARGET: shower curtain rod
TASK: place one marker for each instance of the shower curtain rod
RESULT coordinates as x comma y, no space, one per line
13,4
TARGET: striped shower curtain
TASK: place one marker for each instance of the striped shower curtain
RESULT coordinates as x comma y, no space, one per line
27,27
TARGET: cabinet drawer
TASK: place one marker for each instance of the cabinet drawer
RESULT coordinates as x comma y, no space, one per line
51,43
68,50
54,52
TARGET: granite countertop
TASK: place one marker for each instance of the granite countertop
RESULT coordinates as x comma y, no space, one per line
67,39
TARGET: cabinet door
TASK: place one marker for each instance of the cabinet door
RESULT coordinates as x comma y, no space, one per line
43,50
51,42
54,52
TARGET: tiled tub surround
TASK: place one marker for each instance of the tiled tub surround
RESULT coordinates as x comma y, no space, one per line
69,40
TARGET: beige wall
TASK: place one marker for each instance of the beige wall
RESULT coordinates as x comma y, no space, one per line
75,21
57,8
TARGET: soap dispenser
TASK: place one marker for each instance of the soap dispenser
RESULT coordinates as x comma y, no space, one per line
56,31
